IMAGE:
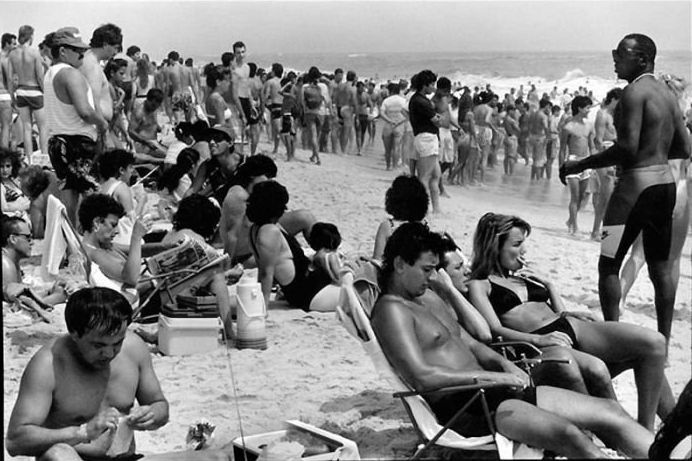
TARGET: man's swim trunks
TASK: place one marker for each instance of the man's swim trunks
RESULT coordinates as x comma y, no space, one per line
31,97
583,176
642,201
72,157
484,136
251,115
181,101
472,423
275,111
536,144
132,457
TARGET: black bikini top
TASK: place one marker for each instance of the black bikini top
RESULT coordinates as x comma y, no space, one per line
504,299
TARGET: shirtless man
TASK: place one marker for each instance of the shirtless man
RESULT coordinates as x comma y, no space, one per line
195,81
604,178
105,43
552,144
422,338
483,115
25,67
15,239
523,108
577,143
9,41
178,98
81,388
345,101
650,127
144,127
511,125
273,100
539,130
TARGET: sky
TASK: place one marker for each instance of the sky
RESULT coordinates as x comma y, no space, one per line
209,28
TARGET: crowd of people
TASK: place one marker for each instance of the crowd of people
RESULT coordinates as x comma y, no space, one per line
101,116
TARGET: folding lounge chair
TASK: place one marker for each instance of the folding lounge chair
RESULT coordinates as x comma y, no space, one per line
353,317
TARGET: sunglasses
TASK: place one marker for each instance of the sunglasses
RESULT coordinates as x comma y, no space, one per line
26,236
80,51
623,53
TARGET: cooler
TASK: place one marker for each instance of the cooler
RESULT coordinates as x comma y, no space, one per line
188,335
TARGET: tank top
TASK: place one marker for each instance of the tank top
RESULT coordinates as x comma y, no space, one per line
63,119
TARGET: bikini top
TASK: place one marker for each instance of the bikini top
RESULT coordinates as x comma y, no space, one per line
504,299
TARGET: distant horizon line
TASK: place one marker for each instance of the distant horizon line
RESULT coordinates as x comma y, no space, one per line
356,52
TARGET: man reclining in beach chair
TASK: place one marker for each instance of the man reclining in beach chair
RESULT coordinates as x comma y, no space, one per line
430,350
77,395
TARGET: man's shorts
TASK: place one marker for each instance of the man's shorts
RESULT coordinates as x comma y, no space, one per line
552,147
29,97
484,136
388,131
472,423
311,118
181,101
426,145
537,149
275,111
642,202
72,157
511,145
251,115
287,124
583,176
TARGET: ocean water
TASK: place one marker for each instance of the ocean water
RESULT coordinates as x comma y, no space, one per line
503,70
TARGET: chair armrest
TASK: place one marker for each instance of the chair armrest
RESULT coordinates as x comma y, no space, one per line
451,389
520,346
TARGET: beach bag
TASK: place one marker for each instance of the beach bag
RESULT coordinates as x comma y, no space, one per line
313,97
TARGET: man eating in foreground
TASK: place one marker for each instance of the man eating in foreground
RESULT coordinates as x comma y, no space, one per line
77,390
423,341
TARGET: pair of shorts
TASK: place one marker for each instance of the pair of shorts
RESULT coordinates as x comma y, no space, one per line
642,202
311,118
275,111
484,136
472,423
181,101
536,145
251,115
131,457
390,131
72,157
511,145
426,145
583,176
560,325
287,124
29,97
552,147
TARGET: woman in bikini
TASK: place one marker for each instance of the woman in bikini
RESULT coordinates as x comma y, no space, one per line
280,258
521,305
406,201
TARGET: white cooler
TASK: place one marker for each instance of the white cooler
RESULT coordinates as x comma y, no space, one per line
188,335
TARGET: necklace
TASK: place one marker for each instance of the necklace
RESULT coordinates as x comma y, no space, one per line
643,75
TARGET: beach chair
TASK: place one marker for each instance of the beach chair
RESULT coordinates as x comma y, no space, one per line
352,316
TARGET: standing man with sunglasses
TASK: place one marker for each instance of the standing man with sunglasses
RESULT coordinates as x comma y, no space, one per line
650,130
73,121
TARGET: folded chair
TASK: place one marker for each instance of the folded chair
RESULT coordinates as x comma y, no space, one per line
353,317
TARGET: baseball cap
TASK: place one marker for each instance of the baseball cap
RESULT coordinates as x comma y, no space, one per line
69,36
220,133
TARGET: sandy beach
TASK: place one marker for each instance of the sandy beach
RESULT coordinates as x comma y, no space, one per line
313,370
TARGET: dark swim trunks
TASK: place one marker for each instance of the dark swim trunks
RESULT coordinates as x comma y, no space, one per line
561,325
642,201
251,115
472,423
72,157
31,97
275,111
132,457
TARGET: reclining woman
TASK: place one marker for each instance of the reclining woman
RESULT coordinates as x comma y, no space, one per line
523,306
279,256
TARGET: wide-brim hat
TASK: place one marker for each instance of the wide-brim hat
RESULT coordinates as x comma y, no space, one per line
69,36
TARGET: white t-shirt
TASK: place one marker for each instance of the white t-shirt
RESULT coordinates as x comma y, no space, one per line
393,107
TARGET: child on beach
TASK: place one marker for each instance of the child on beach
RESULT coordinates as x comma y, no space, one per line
325,240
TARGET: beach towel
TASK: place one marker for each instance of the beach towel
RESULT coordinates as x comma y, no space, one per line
61,239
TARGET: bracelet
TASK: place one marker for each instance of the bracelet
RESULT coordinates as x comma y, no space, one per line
83,434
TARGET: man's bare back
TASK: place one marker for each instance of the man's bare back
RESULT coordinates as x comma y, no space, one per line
27,65
93,72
